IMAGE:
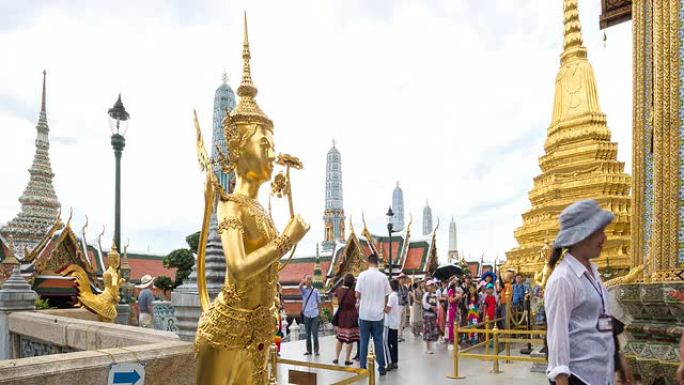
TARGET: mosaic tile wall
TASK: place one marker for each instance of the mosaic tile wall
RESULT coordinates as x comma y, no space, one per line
648,158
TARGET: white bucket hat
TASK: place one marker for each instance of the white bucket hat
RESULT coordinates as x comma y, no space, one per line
145,281
579,220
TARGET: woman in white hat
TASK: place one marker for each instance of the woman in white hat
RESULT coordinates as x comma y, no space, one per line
145,298
580,330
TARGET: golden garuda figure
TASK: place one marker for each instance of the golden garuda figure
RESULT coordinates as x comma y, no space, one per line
102,304
235,331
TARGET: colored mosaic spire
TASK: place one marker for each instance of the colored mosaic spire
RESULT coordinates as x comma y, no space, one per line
39,203
333,216
579,162
224,102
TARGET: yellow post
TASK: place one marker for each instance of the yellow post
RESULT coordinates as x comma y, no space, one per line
371,366
495,368
486,335
274,365
509,299
457,338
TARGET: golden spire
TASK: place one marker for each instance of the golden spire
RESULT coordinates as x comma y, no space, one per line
579,162
247,109
572,29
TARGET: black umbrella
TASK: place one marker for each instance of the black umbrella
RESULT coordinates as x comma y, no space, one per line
445,272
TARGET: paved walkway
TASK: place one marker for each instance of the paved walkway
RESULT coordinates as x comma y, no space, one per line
417,368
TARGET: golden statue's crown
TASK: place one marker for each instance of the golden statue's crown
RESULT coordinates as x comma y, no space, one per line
241,123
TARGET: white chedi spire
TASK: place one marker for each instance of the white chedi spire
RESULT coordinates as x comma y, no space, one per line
398,208
427,219
453,239
39,203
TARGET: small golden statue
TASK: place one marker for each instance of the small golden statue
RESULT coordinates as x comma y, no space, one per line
236,330
103,304
543,275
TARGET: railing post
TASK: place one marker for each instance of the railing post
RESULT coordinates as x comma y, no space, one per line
507,323
486,335
371,366
274,365
495,368
457,335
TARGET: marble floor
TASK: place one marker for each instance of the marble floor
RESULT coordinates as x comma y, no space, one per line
415,367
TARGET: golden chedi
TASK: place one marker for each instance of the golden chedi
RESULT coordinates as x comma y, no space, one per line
579,162
236,330
102,304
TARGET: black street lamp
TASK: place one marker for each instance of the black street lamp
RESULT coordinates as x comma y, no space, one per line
118,122
390,229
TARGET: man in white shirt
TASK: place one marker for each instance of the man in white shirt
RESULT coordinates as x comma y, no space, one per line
372,289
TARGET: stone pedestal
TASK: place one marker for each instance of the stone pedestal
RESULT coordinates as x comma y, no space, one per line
15,295
123,312
656,313
185,298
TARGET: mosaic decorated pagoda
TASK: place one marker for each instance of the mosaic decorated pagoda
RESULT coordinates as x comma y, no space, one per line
39,204
580,162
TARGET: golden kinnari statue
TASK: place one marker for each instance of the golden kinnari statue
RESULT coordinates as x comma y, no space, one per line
236,330
103,304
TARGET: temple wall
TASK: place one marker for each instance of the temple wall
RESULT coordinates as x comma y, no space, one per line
93,347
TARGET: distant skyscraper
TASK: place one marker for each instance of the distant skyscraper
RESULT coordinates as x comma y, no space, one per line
333,217
453,241
398,208
427,219
224,102
39,204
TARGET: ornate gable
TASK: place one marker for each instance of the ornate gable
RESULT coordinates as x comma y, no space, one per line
61,252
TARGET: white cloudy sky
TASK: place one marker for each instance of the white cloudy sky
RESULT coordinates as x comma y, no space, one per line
452,98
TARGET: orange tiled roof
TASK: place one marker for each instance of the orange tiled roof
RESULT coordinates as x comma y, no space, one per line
414,259
142,264
298,268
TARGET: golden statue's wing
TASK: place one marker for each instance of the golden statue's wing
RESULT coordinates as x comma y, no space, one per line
202,156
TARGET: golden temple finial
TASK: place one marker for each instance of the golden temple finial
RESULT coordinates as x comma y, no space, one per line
572,30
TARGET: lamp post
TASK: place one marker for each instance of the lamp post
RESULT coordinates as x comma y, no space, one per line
390,228
118,122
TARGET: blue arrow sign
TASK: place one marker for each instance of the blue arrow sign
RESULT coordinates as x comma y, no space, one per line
127,373
126,377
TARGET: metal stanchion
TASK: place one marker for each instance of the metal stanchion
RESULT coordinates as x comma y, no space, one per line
495,367
371,366
457,336
486,335
274,365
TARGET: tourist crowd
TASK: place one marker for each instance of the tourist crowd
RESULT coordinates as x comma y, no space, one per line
379,308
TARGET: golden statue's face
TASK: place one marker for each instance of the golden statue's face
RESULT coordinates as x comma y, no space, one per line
257,156
114,260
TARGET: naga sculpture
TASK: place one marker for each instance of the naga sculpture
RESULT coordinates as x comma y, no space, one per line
235,331
102,304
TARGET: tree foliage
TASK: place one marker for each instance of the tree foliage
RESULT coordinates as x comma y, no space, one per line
164,283
193,241
182,260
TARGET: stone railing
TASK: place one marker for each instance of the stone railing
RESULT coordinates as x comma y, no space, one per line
82,351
